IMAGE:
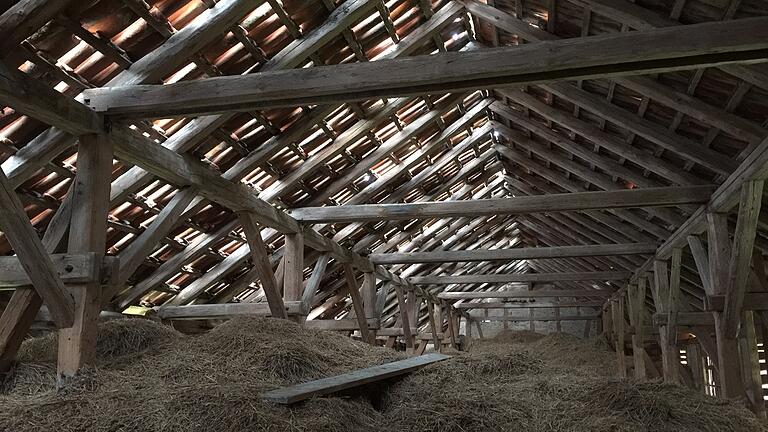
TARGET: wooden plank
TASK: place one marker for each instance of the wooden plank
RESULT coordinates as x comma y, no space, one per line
538,319
521,277
674,296
522,294
629,198
701,259
262,264
512,254
33,257
636,303
617,309
626,53
685,319
87,234
223,310
358,378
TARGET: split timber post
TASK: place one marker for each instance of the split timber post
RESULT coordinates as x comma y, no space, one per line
369,302
617,311
433,325
669,353
729,265
87,234
636,305
404,319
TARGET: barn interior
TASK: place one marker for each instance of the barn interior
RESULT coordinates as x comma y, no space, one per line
477,214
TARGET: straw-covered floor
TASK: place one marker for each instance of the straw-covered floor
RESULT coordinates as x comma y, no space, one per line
151,378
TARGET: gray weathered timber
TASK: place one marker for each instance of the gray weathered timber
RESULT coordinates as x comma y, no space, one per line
512,254
324,386
627,53
223,310
646,197
522,277
522,294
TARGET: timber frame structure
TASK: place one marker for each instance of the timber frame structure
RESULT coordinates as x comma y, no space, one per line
387,168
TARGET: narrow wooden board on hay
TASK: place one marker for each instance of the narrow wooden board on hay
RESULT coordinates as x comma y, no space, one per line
361,377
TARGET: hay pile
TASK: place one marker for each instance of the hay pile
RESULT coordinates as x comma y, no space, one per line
522,381
150,378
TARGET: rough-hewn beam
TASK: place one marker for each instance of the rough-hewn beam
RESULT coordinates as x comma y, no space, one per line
523,277
512,254
464,295
660,50
650,197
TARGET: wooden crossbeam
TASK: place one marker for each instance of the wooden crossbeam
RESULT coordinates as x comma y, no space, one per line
650,197
527,305
71,268
543,319
521,294
522,277
512,254
667,49
223,310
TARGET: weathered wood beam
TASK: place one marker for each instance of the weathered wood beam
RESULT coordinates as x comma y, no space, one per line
223,310
77,268
526,305
660,50
521,294
513,254
24,18
629,198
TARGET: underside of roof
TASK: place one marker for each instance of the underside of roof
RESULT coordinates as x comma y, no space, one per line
676,128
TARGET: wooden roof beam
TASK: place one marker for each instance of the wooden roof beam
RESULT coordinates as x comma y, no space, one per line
660,50
513,254
650,197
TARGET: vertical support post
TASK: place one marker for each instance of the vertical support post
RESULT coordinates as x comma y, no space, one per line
693,354
636,302
262,265
405,319
506,316
669,354
433,325
558,324
729,364
293,266
751,364
369,300
88,233
452,328
617,307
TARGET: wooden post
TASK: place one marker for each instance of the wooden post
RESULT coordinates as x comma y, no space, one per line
369,299
617,309
293,266
558,324
636,303
452,328
405,319
729,364
506,323
433,325
694,357
87,233
669,354
262,265
751,364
